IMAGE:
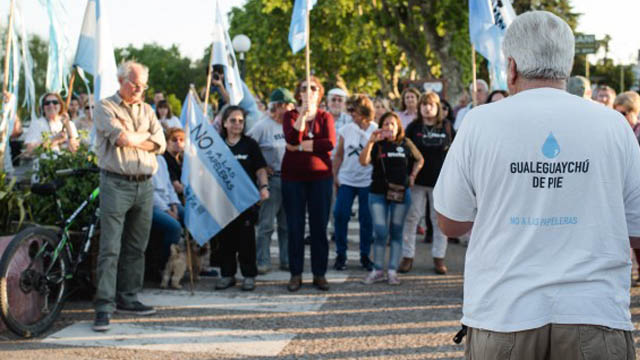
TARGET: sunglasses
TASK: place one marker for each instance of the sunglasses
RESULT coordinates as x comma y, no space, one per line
89,107
177,139
50,102
312,87
351,109
623,112
336,99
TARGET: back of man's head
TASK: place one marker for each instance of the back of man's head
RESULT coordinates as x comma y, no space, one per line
541,44
579,86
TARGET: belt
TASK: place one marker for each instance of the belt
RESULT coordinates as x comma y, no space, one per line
136,178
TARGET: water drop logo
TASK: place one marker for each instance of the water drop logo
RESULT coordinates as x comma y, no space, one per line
550,148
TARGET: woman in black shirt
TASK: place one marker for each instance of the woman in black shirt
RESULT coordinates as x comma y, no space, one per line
239,237
396,162
432,137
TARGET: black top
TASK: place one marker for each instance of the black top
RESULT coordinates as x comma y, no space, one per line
433,143
247,152
175,168
397,165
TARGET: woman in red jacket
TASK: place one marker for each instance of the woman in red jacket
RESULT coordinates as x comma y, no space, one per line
307,181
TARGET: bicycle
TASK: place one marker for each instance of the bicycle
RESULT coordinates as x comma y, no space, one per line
39,262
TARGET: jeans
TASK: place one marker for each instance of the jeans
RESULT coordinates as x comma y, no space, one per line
126,209
420,195
298,198
272,208
388,219
342,213
238,241
170,228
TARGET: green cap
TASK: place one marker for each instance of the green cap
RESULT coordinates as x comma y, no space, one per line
281,95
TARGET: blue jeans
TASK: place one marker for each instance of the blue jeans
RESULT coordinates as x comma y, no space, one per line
342,213
300,197
170,228
271,209
388,219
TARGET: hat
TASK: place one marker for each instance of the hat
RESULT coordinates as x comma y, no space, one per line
578,85
338,92
281,95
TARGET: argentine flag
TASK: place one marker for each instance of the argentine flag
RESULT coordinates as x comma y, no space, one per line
488,21
95,51
298,28
224,55
217,189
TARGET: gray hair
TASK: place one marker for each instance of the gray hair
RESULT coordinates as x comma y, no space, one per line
541,44
125,69
479,82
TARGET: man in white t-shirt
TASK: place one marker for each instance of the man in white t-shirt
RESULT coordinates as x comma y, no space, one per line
550,183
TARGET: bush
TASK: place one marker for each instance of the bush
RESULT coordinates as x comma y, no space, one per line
75,189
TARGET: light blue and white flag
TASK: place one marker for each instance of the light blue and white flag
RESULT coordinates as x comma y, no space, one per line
299,27
217,189
27,64
224,55
59,46
95,51
488,21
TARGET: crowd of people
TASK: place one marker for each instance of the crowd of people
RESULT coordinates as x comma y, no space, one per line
311,156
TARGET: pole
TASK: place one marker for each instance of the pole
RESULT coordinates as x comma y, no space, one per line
189,261
242,65
307,53
621,78
7,52
208,88
72,144
474,86
586,66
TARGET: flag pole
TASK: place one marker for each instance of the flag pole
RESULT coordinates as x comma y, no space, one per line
7,56
474,87
189,261
307,52
209,74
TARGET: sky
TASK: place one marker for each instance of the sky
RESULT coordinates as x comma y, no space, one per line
188,23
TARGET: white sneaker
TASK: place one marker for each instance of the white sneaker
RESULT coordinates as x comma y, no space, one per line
373,277
393,278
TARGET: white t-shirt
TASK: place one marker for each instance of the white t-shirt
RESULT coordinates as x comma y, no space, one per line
351,172
41,125
171,123
460,117
342,120
552,184
270,136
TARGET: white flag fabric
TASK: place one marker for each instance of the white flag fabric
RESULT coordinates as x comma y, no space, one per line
224,55
95,51
59,46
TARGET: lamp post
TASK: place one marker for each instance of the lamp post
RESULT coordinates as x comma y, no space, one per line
241,44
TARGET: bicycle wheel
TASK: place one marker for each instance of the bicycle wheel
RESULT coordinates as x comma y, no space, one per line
32,282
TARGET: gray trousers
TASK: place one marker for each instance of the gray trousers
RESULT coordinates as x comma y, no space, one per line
271,210
126,209
551,342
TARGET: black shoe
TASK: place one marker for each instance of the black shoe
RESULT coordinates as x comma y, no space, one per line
366,262
135,308
321,283
101,323
341,263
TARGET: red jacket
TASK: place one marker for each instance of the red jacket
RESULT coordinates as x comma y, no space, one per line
308,166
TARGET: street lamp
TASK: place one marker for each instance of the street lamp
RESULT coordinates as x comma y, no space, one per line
241,44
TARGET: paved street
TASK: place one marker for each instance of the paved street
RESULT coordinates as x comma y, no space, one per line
415,320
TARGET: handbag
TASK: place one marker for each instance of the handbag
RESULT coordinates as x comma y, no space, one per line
395,192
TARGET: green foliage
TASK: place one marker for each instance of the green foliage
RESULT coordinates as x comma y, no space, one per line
75,189
175,104
606,72
13,204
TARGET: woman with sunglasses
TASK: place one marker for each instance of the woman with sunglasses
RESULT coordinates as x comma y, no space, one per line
352,179
432,136
53,113
396,162
307,181
238,238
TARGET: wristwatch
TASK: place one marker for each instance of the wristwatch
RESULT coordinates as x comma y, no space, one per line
263,186
300,147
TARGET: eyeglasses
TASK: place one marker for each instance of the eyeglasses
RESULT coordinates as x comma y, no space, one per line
351,109
88,107
138,86
337,99
312,87
623,112
51,102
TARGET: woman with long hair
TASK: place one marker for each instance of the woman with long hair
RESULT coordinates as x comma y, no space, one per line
409,105
396,162
165,116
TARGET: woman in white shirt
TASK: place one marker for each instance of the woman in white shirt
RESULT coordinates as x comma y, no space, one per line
54,113
352,179
165,116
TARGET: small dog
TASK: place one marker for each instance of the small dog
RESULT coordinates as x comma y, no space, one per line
177,263
175,268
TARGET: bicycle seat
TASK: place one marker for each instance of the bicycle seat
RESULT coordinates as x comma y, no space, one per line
46,188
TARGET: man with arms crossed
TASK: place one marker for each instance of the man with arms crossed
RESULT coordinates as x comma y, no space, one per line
551,184
128,138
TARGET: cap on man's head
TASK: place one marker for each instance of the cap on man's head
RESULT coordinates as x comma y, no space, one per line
282,95
338,92
578,85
